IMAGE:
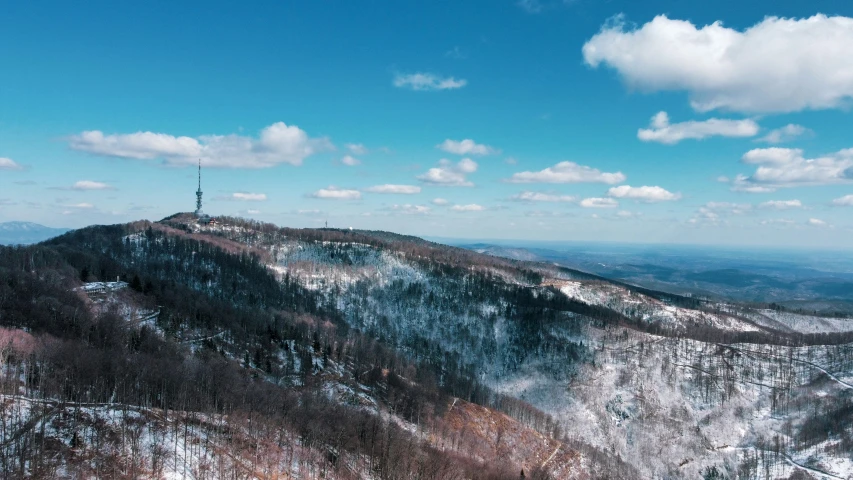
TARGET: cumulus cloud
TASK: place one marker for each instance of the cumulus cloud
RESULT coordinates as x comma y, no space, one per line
439,201
627,214
787,167
253,212
408,209
816,222
845,201
530,6
389,188
466,147
244,197
716,212
596,202
544,213
335,193
278,143
643,194
568,172
787,133
350,161
781,204
9,164
729,207
777,65
309,212
778,221
473,207
91,185
427,81
660,130
528,196
450,174
356,148
742,184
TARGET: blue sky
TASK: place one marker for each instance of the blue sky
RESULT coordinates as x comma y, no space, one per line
537,120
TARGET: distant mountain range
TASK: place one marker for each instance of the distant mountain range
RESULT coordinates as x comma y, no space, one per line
24,233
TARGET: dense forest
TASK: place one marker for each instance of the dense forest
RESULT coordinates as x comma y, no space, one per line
251,351
230,339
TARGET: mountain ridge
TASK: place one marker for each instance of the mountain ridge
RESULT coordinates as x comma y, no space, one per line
582,360
20,233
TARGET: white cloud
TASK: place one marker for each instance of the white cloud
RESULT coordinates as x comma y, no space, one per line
85,206
660,130
742,184
389,188
9,164
729,207
787,167
356,148
408,209
777,65
350,161
466,147
845,201
781,204
530,6
90,185
643,194
253,212
599,203
335,193
277,144
455,53
778,221
473,207
439,201
543,213
816,222
427,81
568,172
715,213
528,196
626,214
785,134
247,197
449,174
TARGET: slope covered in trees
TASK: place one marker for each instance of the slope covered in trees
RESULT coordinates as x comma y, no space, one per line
354,354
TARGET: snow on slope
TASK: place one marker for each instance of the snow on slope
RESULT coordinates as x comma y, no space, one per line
649,310
675,408
803,323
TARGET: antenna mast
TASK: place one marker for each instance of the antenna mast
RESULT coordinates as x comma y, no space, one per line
198,193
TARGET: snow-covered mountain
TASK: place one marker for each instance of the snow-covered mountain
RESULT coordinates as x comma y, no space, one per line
574,374
734,389
24,233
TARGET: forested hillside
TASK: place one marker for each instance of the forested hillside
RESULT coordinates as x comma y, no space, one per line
246,350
